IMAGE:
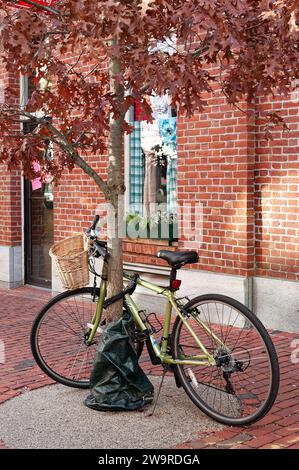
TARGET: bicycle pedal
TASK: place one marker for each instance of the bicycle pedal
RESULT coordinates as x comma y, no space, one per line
141,335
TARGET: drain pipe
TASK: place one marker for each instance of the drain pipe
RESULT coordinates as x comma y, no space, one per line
248,292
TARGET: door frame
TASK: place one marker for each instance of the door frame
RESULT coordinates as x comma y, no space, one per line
27,207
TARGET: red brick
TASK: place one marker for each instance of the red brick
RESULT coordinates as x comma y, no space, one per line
289,430
286,442
239,438
262,440
270,418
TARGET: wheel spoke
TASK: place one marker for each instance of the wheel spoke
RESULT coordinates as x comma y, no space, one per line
240,387
59,339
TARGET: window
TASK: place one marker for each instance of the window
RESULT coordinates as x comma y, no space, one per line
153,172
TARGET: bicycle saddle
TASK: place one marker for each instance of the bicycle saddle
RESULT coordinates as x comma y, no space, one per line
177,259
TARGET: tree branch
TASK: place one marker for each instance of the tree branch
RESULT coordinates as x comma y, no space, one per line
200,50
220,81
63,143
79,161
41,7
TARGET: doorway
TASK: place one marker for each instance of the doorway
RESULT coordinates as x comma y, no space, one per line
39,233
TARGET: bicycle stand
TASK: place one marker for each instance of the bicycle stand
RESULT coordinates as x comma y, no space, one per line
165,369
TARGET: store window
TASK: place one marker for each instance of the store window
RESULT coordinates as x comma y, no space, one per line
153,172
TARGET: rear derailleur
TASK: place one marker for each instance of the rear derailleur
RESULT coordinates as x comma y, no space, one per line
228,365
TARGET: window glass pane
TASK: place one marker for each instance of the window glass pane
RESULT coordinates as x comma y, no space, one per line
153,163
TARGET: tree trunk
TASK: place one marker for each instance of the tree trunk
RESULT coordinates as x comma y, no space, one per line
116,188
115,267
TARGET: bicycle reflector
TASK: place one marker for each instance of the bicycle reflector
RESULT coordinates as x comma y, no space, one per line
175,284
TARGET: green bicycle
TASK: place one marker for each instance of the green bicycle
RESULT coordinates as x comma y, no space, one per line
218,350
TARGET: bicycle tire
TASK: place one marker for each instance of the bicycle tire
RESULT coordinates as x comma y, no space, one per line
59,350
196,386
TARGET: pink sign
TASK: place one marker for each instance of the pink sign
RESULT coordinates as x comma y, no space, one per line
36,182
45,3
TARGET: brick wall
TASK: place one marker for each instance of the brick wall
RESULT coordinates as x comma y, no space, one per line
277,194
248,188
216,158
76,199
10,182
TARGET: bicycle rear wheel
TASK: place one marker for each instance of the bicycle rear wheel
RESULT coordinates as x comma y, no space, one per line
58,340
241,388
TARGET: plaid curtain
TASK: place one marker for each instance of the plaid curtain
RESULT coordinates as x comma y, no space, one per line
168,132
172,176
136,170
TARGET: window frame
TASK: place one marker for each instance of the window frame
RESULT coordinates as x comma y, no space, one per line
173,235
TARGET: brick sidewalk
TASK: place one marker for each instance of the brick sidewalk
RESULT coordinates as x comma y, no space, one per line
279,429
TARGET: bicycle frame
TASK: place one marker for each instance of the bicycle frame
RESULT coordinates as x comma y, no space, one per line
160,350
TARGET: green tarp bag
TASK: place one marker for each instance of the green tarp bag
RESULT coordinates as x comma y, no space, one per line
117,382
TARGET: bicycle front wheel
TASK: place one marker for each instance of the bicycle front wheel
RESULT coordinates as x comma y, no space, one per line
59,333
58,337
241,388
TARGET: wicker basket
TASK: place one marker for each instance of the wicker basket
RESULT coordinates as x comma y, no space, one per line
71,259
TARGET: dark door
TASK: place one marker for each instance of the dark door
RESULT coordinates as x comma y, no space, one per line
39,233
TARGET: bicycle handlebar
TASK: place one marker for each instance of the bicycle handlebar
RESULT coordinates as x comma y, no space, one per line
101,249
94,223
100,246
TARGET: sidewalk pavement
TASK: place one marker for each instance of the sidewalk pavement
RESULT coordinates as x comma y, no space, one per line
19,373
